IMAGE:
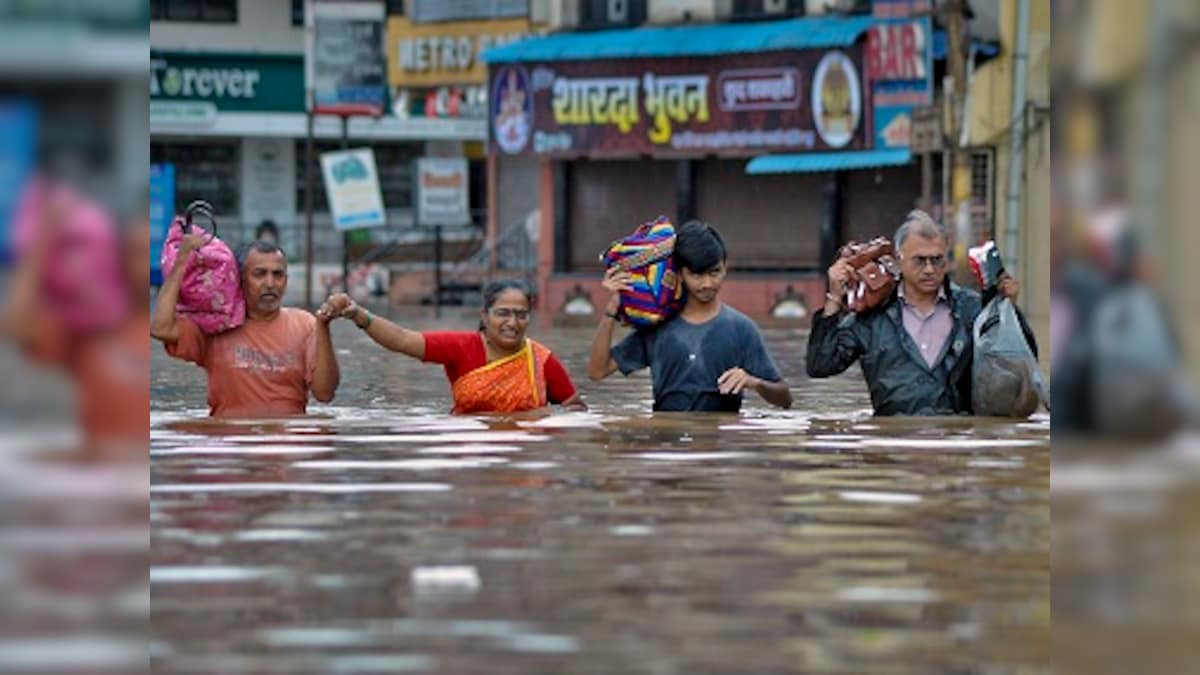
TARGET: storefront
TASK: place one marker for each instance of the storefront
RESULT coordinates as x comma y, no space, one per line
627,125
234,127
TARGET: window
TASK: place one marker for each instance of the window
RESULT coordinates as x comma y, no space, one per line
208,171
766,9
210,11
394,8
983,197
601,13
983,192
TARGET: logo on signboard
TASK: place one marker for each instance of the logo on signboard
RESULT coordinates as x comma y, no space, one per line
836,99
897,132
208,82
350,168
759,89
512,109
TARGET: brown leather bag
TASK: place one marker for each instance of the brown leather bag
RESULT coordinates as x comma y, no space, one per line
875,273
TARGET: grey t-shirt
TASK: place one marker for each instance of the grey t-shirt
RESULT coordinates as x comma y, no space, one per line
686,359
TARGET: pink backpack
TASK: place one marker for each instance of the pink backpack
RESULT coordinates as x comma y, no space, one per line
211,292
83,282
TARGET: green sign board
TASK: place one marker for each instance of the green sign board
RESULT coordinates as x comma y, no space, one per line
230,82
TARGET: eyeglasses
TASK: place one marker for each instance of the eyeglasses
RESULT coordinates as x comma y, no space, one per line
508,313
935,261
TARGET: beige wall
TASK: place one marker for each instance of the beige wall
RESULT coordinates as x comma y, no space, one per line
1034,260
262,26
1180,239
989,122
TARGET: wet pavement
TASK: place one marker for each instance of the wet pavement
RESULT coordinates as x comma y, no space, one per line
382,535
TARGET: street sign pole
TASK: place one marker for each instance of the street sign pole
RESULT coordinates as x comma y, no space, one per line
308,208
345,233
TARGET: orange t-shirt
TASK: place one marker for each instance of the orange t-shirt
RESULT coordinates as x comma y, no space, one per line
260,369
111,371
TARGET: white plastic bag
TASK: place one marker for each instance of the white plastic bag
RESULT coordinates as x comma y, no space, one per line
1005,377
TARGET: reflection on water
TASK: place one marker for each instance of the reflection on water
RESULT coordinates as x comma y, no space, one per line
381,535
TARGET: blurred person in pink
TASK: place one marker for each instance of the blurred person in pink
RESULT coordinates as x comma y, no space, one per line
268,365
106,354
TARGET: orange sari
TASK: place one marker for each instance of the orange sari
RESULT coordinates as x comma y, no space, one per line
510,384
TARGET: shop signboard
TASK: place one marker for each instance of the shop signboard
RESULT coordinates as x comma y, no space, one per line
788,101
442,185
435,54
352,187
193,87
162,210
346,67
899,67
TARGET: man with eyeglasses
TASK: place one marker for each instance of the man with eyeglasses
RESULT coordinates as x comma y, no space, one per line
916,348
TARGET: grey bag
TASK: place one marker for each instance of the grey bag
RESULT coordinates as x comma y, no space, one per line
1005,377
1139,386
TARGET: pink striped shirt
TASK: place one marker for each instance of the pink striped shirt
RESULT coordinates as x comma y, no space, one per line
931,330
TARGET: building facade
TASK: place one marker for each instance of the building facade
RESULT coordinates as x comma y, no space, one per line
227,110
768,129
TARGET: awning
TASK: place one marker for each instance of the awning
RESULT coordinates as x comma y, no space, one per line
701,40
828,161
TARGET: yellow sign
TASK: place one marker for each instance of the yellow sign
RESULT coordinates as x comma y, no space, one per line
434,54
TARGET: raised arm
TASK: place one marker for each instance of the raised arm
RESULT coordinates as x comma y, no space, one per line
326,375
163,326
601,364
385,333
832,348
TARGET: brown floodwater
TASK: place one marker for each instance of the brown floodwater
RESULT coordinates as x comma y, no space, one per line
381,535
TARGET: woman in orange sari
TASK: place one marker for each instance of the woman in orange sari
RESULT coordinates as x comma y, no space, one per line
494,369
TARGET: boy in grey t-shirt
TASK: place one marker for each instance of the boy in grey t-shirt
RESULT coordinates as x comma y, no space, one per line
704,358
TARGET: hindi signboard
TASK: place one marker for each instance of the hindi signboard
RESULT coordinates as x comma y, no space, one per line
794,101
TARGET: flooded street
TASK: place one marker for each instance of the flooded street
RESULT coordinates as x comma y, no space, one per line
381,535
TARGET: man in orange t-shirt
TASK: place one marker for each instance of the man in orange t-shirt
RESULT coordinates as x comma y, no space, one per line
268,365
110,366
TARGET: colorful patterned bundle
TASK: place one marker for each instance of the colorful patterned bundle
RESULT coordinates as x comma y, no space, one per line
211,292
658,292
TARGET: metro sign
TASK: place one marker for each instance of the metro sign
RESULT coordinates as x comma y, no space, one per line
897,52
